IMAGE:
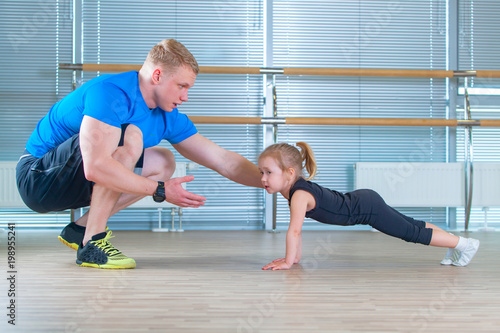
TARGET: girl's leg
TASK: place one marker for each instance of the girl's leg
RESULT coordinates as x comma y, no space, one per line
439,238
371,209
442,238
375,212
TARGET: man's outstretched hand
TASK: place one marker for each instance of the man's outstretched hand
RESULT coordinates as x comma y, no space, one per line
177,195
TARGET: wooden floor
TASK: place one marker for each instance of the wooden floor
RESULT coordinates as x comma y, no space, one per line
211,281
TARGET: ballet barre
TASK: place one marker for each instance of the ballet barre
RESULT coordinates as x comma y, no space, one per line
427,73
346,121
321,71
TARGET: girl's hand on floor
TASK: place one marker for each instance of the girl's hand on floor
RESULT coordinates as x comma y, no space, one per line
277,264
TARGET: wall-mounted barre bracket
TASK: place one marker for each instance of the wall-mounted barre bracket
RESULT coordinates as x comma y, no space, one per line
268,70
466,122
464,73
72,67
273,121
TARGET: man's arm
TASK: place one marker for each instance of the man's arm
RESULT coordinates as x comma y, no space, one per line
98,143
229,164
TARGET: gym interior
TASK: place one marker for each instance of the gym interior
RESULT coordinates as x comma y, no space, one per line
402,97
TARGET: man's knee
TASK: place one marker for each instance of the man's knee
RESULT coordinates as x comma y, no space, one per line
165,162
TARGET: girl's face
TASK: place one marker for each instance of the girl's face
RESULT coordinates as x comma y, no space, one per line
273,178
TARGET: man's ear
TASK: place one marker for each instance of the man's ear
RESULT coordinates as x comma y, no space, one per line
156,75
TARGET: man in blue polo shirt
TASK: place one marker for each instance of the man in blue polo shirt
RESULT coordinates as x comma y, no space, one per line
85,150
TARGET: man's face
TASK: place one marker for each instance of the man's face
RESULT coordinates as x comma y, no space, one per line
172,88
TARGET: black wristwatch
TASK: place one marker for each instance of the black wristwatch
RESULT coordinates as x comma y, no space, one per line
159,195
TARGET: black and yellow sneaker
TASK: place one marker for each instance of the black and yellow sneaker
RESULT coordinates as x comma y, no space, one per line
100,253
72,235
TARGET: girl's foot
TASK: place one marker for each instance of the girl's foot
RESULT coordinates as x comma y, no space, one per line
448,257
463,258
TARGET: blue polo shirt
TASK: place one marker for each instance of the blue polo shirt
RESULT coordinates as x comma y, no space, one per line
115,100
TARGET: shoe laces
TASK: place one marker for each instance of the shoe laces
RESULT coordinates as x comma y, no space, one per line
106,246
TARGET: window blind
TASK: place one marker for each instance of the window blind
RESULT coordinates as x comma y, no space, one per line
479,47
227,33
34,37
362,34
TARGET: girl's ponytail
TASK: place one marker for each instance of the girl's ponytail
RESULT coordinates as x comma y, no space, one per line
307,155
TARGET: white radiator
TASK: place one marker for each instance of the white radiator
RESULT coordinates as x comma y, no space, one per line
9,195
429,184
414,184
10,198
486,187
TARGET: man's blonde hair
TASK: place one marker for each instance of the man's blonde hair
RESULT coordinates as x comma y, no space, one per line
171,54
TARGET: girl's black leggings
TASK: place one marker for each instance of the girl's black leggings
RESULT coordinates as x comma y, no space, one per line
370,209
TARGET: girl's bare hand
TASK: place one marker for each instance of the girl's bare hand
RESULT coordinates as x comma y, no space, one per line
277,264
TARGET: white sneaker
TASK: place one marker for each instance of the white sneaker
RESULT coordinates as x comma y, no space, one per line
463,258
448,257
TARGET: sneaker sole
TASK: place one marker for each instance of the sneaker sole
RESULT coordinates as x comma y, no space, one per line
447,262
105,266
74,246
